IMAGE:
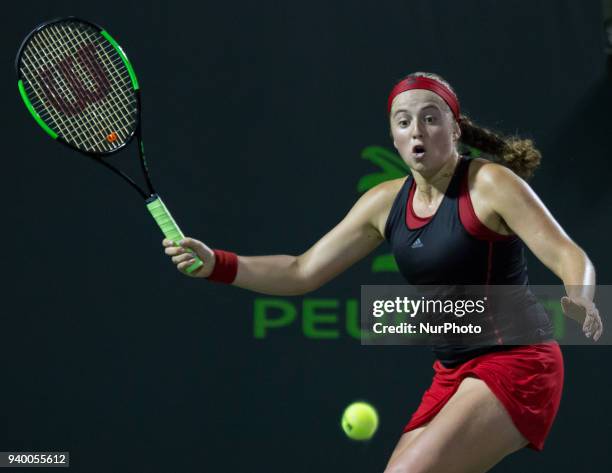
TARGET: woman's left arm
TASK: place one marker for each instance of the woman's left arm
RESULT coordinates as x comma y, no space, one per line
517,204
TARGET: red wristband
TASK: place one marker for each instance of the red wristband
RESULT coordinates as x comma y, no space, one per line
226,267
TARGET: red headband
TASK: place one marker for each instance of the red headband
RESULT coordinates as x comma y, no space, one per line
419,82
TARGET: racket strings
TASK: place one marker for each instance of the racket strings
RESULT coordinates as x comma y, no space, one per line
118,112
72,131
75,130
53,42
32,62
93,78
106,115
101,115
109,114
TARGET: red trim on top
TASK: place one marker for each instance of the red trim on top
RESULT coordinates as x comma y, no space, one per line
470,220
413,221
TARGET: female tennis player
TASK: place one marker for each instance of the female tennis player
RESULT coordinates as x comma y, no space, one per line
472,218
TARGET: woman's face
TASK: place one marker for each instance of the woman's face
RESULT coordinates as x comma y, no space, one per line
424,130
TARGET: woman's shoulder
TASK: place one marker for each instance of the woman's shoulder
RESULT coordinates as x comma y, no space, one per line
385,192
491,186
486,174
379,199
393,185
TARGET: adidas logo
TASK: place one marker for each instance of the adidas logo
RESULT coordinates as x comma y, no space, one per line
417,244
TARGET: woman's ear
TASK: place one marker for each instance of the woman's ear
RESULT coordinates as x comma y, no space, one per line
456,132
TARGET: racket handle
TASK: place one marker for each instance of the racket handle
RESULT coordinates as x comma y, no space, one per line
168,226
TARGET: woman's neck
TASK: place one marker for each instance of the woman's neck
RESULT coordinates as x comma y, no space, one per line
430,188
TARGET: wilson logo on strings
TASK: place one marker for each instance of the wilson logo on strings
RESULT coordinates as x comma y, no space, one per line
70,74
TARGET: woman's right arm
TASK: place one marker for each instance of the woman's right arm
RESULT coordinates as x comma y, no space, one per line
358,234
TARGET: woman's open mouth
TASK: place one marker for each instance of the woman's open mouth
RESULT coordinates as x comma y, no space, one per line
418,151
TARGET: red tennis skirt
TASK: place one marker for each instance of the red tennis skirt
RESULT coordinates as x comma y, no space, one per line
527,380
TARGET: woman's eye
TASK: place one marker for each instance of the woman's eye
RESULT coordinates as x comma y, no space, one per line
403,123
430,119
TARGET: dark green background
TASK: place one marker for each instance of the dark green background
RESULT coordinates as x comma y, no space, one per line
255,117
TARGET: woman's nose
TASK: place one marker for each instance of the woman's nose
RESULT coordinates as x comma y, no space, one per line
416,129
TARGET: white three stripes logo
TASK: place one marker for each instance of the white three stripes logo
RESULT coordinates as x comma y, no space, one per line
417,244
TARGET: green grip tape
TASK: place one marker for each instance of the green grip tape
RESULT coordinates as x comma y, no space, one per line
168,226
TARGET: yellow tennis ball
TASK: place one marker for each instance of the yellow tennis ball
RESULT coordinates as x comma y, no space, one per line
360,421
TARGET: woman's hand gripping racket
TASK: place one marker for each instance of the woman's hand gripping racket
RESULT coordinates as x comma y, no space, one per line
80,87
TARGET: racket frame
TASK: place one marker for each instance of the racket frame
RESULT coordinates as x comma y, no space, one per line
96,156
154,203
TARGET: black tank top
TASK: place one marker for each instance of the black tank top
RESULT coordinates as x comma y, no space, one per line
453,248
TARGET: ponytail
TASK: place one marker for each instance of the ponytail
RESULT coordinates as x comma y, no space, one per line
513,152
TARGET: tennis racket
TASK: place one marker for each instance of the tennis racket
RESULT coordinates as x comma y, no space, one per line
81,89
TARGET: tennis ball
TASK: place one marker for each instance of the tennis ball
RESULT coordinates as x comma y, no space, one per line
360,421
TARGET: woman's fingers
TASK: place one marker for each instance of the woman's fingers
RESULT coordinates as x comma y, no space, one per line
596,327
592,326
182,257
589,321
174,250
185,252
171,248
185,264
599,331
586,327
186,245
196,246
